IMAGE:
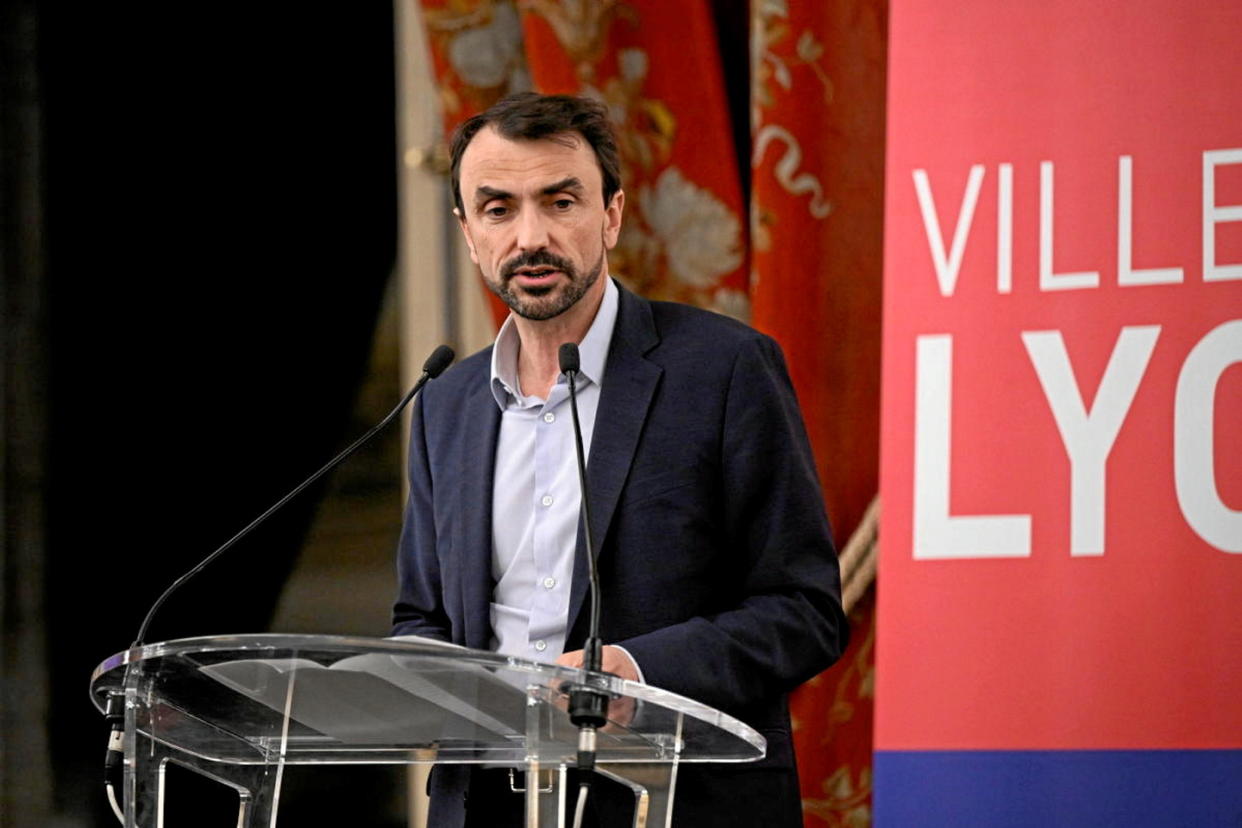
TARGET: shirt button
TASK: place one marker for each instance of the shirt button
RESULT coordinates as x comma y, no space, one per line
549,417
546,500
541,645
548,583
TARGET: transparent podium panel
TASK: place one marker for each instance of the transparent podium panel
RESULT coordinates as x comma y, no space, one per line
238,709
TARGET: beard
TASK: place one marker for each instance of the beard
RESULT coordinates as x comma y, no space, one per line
544,302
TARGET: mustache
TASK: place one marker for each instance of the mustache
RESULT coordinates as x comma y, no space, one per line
537,258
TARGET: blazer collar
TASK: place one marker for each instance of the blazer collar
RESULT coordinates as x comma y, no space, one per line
625,399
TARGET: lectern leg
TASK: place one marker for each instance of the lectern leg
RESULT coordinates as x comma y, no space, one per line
545,780
257,786
545,796
652,784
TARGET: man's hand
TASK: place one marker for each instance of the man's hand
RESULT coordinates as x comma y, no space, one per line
615,661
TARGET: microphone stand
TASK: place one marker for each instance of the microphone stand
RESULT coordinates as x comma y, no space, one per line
114,712
587,705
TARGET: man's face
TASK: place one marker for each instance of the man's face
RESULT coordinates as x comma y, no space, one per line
535,219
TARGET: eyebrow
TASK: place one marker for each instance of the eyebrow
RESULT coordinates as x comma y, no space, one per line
485,194
565,185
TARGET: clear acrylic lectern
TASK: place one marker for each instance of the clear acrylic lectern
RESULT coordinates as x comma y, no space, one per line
238,709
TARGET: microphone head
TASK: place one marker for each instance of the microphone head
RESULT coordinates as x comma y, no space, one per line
441,358
569,358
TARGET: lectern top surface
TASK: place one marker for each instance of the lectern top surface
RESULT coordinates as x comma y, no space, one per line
316,699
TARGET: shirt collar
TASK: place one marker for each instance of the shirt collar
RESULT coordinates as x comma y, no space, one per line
592,350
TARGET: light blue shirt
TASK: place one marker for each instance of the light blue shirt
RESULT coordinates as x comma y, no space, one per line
535,491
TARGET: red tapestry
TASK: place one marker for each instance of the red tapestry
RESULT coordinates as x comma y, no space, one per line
683,237
476,52
832,716
816,225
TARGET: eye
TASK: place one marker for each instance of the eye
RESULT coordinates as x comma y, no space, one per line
563,203
496,211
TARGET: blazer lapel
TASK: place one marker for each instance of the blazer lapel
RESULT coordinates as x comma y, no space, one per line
630,382
473,521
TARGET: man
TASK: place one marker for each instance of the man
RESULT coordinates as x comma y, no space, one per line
719,578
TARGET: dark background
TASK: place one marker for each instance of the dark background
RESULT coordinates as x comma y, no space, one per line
199,221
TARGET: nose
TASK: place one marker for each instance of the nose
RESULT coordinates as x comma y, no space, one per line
532,231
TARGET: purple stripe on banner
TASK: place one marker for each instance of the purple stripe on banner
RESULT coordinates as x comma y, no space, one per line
1090,788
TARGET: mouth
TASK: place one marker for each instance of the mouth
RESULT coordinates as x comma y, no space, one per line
535,275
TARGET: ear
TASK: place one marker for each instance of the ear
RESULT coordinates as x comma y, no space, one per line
465,231
612,219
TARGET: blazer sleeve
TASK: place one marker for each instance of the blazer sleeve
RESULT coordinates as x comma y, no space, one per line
419,608
786,624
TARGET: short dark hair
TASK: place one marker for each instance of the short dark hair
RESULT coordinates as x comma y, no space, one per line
530,116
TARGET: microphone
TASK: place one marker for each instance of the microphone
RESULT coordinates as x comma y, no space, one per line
587,705
570,362
114,714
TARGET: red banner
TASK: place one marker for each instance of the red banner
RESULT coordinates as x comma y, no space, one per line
1062,464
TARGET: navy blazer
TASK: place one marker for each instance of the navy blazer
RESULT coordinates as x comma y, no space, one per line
717,568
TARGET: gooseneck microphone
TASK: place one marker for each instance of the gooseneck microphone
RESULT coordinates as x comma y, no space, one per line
440,359
592,657
587,705
114,714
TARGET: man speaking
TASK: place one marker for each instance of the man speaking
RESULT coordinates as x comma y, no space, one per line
719,580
